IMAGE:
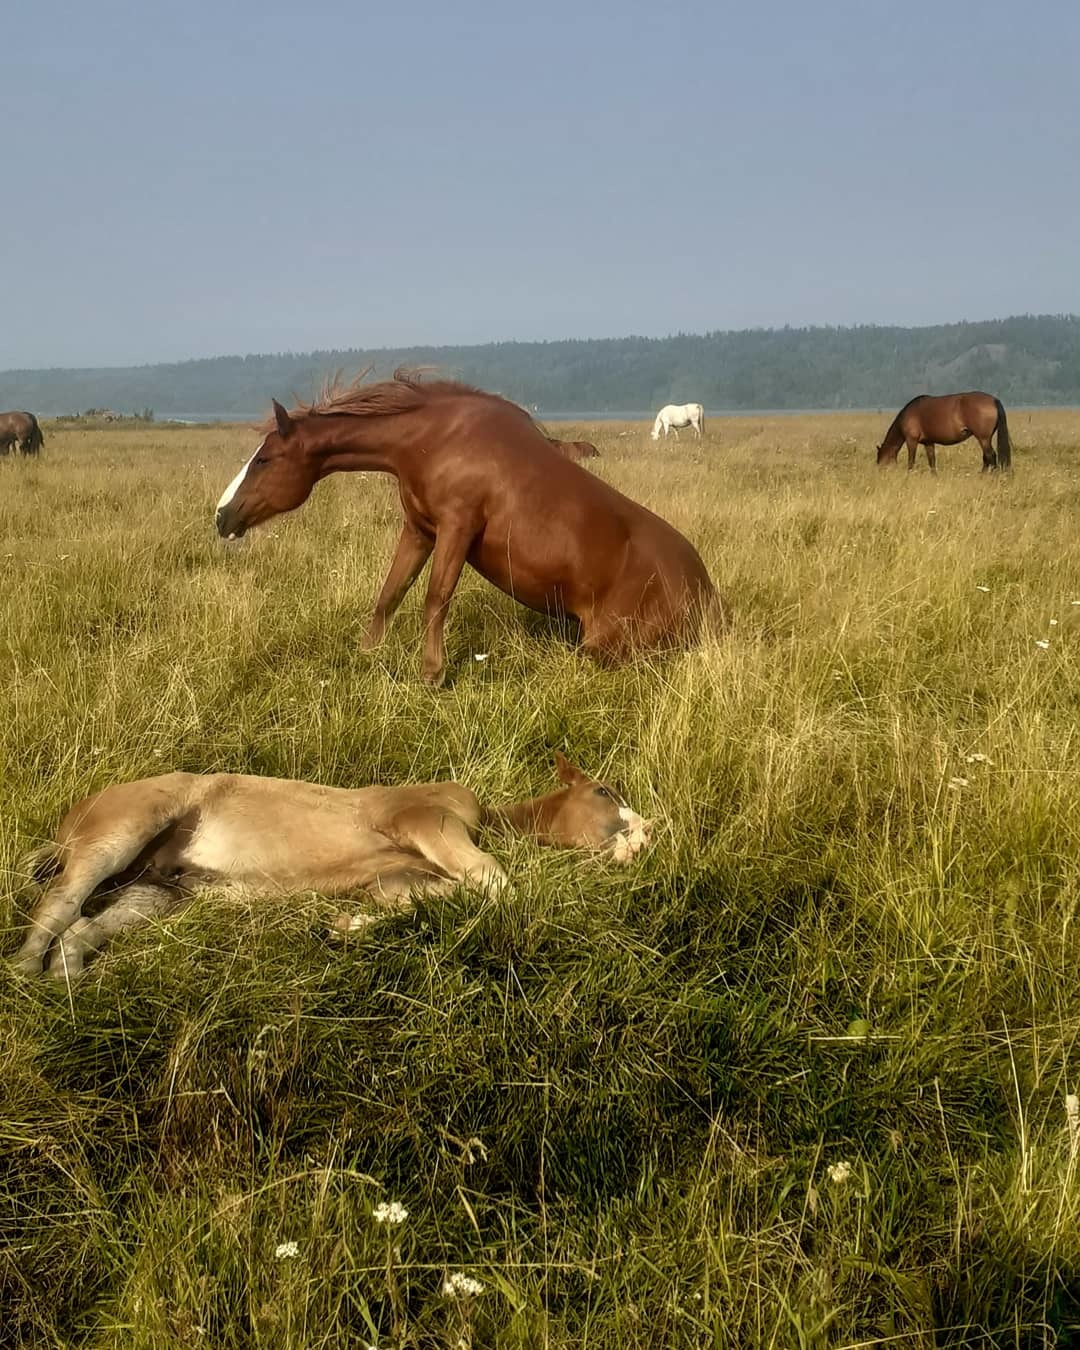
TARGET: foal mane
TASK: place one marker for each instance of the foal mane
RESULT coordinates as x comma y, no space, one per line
407,390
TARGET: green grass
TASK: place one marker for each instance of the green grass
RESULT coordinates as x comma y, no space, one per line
834,953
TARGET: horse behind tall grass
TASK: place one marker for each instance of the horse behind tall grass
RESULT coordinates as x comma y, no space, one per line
948,419
20,430
481,484
136,851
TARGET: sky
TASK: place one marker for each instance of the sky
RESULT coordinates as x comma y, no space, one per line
233,177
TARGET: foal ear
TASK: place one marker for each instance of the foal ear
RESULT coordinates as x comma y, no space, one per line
284,422
568,773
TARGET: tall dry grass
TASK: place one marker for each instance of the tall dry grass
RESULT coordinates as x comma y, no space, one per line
798,1078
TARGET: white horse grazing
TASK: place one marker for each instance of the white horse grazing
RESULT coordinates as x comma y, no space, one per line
677,415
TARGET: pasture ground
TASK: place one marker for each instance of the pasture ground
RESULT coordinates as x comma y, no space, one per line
799,1078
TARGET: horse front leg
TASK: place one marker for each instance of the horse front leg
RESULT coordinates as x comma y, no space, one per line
451,546
412,552
912,451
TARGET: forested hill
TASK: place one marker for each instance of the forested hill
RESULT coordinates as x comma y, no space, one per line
1030,359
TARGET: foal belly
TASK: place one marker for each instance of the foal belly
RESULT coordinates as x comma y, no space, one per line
321,853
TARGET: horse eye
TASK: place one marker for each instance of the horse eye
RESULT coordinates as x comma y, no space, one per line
602,792
262,460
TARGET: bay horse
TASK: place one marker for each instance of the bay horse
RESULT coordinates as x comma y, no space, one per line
480,483
138,850
575,450
21,431
948,419
677,415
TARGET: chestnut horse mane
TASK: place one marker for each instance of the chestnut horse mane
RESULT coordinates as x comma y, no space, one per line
407,390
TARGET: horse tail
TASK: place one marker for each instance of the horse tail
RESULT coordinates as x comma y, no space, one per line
41,863
1004,448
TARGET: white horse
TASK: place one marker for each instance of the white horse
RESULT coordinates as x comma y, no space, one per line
677,415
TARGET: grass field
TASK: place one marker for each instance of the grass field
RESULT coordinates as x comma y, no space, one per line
797,1078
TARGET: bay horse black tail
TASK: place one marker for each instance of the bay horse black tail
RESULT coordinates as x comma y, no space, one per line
1004,449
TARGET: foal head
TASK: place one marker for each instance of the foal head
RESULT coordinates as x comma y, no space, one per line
278,477
586,813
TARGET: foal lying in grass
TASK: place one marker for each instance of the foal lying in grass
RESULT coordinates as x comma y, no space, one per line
141,848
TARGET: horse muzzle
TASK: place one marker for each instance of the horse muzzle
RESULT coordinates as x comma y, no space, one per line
228,526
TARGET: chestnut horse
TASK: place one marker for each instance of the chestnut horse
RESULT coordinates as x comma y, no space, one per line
138,850
948,419
480,483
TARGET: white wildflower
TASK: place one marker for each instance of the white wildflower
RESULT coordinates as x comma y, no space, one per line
1072,1116
1071,602
1053,623
984,589
460,1285
285,1251
956,784
481,656
839,1173
392,1213
979,758
1042,642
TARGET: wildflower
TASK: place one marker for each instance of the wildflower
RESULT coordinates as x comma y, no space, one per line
481,656
392,1213
984,589
956,784
1053,623
285,1251
460,1285
979,758
1042,642
839,1173
1072,1116
1071,602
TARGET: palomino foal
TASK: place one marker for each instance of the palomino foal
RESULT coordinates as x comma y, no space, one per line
141,848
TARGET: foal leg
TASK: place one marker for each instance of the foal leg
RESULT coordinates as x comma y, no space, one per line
451,546
59,907
136,904
412,552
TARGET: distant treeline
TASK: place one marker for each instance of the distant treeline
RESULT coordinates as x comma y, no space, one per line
1032,359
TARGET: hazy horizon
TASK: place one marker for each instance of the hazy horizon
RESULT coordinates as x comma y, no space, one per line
185,183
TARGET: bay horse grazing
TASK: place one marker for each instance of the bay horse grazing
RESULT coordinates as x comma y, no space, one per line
948,419
21,431
480,483
138,850
677,415
575,450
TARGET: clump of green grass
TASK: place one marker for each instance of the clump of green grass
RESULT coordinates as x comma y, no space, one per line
800,1077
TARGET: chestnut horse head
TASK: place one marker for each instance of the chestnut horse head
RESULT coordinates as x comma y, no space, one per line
278,477
481,484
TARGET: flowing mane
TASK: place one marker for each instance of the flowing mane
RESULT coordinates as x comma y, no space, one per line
408,389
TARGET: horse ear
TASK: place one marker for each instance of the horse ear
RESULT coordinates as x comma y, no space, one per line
284,422
568,773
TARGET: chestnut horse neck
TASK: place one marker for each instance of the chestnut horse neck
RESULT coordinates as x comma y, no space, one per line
894,437
389,425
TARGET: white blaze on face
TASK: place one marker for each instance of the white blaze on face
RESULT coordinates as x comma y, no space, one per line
230,491
629,842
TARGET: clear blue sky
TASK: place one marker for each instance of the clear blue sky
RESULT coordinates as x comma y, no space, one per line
205,178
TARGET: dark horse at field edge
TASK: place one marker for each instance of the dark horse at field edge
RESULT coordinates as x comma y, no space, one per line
20,430
481,484
948,419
